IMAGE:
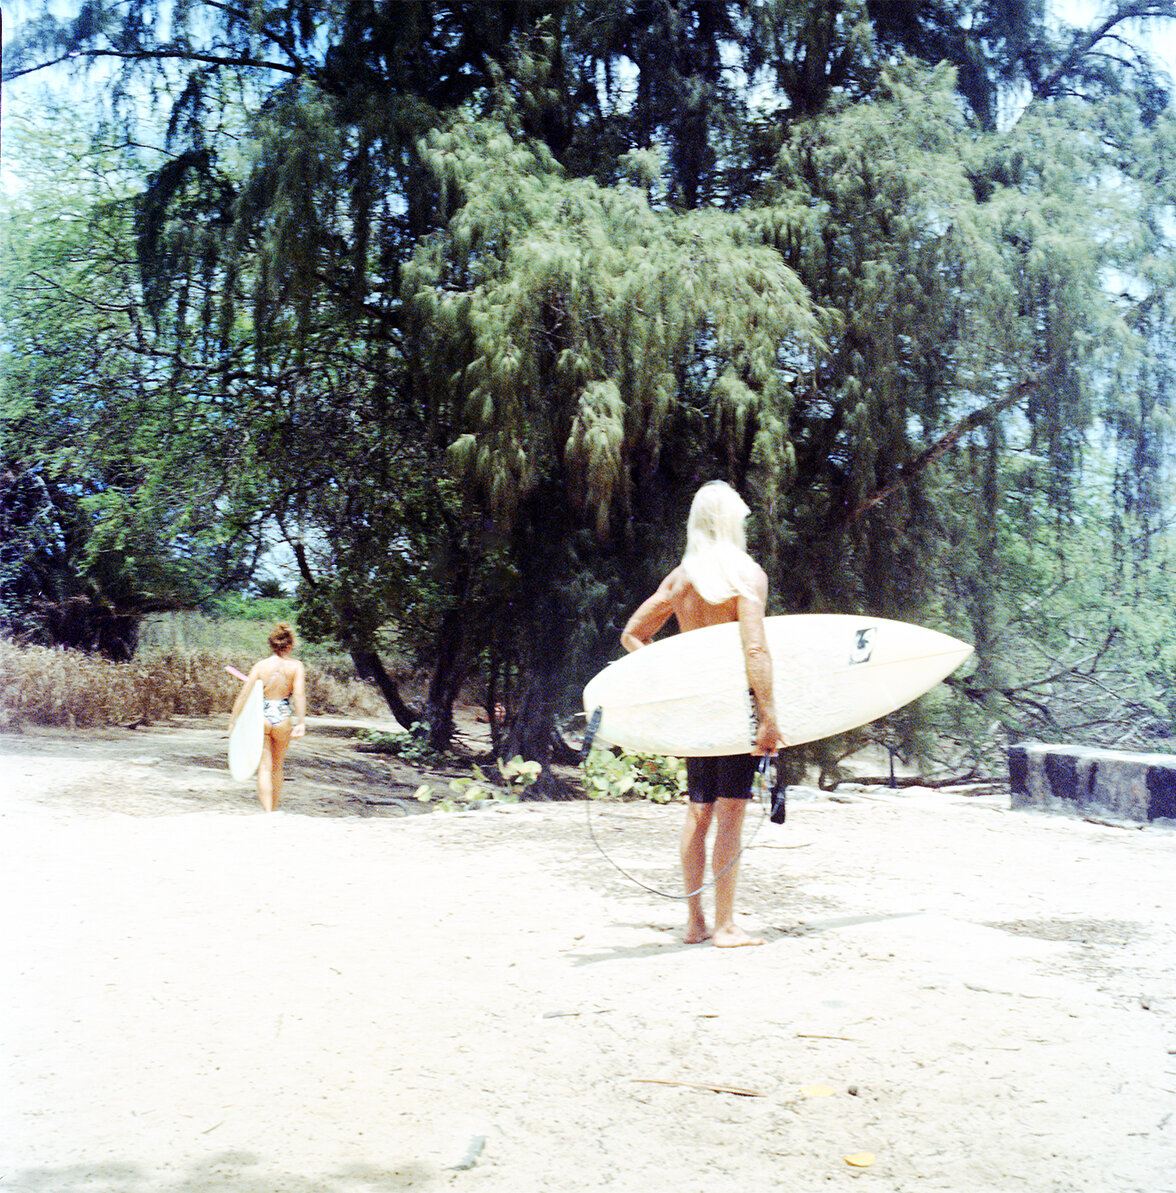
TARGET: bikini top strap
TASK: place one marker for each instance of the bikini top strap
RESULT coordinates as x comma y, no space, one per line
267,680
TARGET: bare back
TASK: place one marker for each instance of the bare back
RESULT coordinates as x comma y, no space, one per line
690,610
278,677
677,597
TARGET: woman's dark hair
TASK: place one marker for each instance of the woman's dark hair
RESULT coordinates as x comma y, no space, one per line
282,638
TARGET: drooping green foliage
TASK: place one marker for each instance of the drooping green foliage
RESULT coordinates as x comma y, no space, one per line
951,302
571,329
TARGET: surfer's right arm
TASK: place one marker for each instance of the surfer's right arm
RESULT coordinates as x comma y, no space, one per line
650,616
240,701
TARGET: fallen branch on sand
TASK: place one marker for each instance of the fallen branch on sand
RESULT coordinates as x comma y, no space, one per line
718,1089
917,781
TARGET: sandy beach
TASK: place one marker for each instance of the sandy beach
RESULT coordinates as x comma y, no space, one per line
346,996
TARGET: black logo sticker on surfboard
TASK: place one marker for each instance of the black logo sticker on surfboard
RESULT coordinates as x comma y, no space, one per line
863,645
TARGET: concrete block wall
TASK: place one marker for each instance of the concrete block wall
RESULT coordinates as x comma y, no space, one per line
1133,786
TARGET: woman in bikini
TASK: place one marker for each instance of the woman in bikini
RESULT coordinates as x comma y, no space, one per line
283,688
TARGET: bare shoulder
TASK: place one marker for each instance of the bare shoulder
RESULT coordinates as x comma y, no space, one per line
670,590
677,580
755,577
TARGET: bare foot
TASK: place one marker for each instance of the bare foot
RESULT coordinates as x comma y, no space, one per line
731,936
696,932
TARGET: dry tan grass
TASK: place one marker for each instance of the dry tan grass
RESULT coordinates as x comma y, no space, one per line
43,686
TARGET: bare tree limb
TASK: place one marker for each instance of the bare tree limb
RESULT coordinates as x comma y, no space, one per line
926,458
1136,10
164,55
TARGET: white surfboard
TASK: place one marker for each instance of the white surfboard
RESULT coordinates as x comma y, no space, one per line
248,736
687,695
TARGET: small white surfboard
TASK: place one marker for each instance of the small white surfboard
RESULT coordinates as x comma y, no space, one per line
687,695
248,736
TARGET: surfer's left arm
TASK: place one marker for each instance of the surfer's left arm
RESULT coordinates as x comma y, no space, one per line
758,659
241,695
651,615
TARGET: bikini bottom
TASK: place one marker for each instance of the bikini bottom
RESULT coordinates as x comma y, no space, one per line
276,711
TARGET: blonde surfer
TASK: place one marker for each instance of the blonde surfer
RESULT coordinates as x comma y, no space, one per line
283,689
716,582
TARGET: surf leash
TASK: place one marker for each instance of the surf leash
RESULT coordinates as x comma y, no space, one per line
776,813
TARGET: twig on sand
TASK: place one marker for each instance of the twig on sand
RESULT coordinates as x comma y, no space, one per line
718,1089
1110,823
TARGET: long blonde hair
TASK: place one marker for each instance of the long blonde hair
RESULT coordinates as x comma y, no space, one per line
716,560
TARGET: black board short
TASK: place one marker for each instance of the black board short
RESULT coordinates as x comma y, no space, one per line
728,776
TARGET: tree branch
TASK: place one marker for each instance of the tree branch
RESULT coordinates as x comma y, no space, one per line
925,459
164,55
1082,46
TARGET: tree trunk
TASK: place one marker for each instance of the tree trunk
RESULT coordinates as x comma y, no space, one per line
369,667
533,735
497,699
449,674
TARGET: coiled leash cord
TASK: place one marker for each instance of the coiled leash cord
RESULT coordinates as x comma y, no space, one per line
761,775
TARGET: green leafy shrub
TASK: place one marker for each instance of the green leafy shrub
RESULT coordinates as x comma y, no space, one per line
411,747
517,774
619,775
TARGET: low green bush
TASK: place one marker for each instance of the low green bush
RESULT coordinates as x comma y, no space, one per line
655,777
